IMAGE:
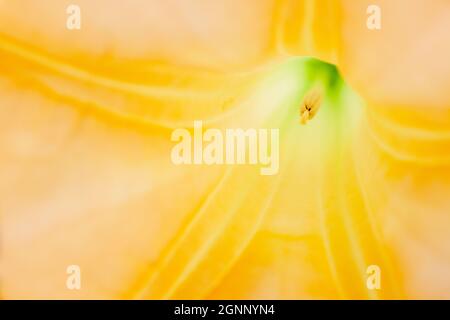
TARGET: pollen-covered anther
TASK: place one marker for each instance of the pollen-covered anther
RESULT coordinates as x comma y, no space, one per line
304,117
310,105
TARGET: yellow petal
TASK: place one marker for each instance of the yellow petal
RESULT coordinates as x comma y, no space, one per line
86,119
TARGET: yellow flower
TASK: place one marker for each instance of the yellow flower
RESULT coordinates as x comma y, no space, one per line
86,118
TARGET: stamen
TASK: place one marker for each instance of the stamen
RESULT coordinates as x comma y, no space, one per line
310,105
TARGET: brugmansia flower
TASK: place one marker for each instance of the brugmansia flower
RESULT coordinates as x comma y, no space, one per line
87,179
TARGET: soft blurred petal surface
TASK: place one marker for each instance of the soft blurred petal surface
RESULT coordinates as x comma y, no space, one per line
86,176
